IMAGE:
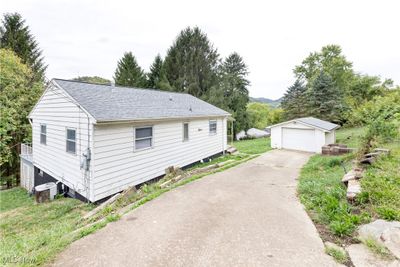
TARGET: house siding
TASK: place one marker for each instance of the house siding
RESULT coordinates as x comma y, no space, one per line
118,166
58,112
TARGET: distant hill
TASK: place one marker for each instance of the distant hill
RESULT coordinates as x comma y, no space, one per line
272,103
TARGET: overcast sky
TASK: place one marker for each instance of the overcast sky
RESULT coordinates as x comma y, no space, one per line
81,37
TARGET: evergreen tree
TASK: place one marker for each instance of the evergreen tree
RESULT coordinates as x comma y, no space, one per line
325,101
156,73
231,93
129,73
294,102
14,35
191,63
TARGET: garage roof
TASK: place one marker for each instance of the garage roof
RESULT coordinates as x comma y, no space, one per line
314,122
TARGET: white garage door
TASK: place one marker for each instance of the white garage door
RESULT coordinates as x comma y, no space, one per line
298,139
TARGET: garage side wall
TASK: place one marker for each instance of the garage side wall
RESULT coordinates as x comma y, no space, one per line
330,137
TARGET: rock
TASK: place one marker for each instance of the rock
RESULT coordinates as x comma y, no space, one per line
391,239
376,228
382,150
355,173
362,257
353,189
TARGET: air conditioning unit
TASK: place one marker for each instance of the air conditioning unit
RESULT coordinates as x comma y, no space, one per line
45,192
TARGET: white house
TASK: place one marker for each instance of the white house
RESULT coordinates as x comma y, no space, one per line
304,134
97,140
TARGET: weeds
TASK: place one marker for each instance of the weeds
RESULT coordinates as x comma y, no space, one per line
339,255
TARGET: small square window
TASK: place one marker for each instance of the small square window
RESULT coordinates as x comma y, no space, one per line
213,127
43,134
185,131
71,141
143,138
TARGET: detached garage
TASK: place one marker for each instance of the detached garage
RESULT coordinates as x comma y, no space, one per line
304,134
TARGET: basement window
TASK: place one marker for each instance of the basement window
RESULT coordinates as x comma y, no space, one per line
212,127
143,138
71,141
43,134
185,131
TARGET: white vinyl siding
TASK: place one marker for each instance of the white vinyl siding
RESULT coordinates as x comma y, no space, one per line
71,141
212,127
58,113
185,131
143,138
116,167
43,137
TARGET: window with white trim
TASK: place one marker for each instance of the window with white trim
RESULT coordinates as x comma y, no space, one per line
143,138
43,134
212,127
71,141
185,131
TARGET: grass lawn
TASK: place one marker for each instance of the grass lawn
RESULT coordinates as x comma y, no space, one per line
324,196
32,234
253,146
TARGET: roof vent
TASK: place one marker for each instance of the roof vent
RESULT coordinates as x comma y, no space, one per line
170,98
190,108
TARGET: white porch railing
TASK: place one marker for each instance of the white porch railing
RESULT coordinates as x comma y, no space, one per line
26,151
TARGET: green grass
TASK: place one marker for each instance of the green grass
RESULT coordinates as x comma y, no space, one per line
253,146
32,234
377,248
14,198
339,255
324,196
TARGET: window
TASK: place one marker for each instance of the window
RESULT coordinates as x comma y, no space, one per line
143,138
185,131
213,127
43,132
71,141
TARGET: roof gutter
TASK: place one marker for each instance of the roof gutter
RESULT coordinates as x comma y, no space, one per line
159,119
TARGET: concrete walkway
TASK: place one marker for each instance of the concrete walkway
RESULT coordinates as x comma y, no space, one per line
248,215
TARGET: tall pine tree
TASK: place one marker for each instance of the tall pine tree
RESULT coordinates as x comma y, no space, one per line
129,73
294,102
14,35
156,73
325,100
191,63
231,92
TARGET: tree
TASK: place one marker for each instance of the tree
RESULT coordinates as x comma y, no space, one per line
295,101
128,72
231,92
156,74
191,63
92,79
325,100
258,115
14,35
18,94
330,60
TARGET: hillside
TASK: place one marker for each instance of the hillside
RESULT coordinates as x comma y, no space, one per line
273,103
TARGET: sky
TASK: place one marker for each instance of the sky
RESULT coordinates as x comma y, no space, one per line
87,38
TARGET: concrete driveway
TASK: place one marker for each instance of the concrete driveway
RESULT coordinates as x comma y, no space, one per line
248,215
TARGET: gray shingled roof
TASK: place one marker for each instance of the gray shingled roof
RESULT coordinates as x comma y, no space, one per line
114,103
326,125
